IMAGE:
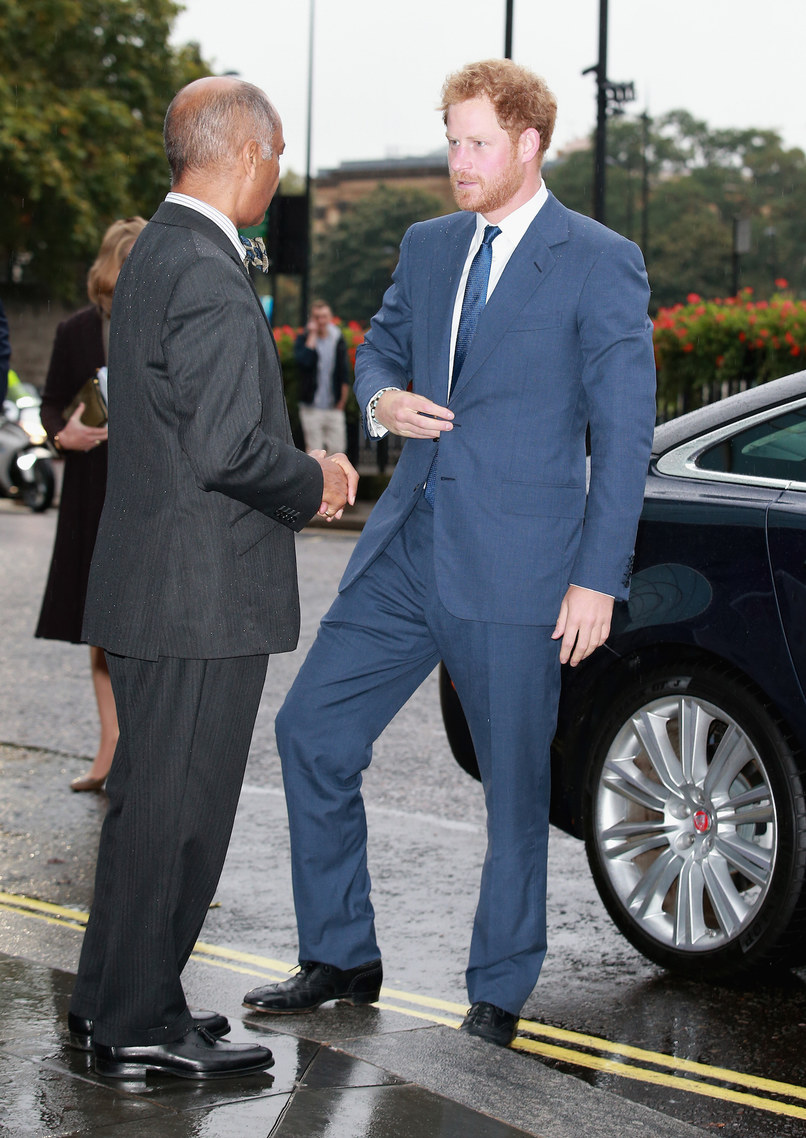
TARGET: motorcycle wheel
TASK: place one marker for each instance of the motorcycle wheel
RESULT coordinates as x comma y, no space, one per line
38,493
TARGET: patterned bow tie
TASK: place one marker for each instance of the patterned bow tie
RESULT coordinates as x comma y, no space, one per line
255,249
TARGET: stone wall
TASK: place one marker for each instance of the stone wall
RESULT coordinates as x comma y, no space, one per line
32,328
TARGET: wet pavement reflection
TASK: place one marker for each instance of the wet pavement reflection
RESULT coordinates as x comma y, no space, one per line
49,1089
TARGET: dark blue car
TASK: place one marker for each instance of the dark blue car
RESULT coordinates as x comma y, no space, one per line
680,753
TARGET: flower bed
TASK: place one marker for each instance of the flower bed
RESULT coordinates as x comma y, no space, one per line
707,349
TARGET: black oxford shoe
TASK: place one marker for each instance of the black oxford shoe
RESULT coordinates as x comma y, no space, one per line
81,1029
315,984
490,1023
197,1055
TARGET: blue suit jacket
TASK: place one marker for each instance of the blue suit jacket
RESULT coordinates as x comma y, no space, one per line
564,342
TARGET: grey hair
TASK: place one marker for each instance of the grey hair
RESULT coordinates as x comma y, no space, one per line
205,133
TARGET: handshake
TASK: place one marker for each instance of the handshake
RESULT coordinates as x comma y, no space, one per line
340,483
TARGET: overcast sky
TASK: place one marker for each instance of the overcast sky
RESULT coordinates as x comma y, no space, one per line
379,65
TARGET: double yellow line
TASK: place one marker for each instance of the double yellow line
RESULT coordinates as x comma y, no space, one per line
574,1048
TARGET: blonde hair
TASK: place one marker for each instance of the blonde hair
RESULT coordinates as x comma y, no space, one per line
115,248
520,98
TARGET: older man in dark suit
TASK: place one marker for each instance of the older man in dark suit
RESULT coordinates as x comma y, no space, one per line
193,581
510,328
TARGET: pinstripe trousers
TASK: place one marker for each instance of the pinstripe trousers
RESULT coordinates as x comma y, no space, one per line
185,731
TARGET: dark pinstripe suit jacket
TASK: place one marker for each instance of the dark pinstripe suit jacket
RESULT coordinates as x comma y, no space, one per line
195,551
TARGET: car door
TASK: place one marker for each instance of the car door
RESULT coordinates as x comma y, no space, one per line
786,538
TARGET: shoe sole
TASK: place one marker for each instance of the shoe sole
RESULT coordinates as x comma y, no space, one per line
137,1072
81,1042
355,1001
497,1041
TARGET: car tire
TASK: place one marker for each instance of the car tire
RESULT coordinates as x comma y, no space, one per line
695,825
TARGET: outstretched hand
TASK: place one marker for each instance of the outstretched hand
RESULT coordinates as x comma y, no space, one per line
340,483
583,623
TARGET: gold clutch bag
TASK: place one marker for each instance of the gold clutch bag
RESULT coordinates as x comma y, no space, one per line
95,412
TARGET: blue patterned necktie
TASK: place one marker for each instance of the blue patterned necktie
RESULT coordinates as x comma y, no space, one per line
474,299
255,251
473,302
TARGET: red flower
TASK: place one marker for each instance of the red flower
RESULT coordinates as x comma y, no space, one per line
693,298
781,282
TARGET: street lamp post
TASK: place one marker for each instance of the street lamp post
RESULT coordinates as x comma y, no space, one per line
610,98
305,283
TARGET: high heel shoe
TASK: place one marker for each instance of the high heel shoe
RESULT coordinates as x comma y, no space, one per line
86,782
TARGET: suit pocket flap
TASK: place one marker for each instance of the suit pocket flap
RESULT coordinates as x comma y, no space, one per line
543,499
249,528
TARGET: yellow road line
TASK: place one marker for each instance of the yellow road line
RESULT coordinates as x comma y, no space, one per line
253,964
78,926
660,1060
20,902
658,1078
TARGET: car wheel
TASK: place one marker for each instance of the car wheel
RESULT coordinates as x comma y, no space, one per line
696,825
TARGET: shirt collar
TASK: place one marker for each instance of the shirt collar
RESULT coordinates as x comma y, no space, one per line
215,215
515,224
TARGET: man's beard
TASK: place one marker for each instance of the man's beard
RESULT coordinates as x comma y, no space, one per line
488,196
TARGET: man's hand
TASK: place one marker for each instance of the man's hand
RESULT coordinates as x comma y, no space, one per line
413,416
583,623
340,483
74,435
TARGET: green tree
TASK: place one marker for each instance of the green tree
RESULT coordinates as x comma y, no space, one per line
354,259
83,92
699,181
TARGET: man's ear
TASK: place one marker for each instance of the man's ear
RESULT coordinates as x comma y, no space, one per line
529,144
250,156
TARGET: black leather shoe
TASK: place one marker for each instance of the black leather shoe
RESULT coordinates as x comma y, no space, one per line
197,1055
315,984
81,1029
490,1023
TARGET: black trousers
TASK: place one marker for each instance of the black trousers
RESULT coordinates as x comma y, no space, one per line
185,731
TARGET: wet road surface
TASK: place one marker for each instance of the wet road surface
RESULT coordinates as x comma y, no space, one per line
726,1060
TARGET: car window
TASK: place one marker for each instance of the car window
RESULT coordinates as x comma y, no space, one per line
775,448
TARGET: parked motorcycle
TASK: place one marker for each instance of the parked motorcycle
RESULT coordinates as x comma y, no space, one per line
26,467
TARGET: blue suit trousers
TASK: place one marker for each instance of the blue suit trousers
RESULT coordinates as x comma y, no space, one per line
382,636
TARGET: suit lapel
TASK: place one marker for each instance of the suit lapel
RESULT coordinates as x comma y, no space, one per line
527,269
444,279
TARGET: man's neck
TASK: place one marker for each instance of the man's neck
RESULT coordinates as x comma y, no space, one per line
209,192
529,187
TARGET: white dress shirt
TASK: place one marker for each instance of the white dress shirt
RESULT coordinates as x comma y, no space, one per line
214,215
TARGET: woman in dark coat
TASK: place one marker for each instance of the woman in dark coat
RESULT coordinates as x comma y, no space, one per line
79,352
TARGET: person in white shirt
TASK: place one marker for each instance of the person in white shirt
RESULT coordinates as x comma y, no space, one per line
321,356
